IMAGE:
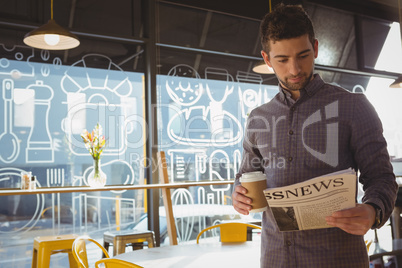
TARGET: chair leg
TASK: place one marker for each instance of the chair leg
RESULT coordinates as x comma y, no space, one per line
34,258
71,260
44,257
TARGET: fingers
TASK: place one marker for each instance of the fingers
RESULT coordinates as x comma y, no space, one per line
357,220
241,203
355,225
350,212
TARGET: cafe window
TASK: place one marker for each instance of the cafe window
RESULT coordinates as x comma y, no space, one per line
203,116
45,106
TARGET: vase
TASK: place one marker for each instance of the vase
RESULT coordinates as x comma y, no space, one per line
97,178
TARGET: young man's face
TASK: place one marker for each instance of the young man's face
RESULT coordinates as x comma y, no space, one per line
292,61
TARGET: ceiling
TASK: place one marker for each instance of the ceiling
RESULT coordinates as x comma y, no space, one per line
383,9
115,29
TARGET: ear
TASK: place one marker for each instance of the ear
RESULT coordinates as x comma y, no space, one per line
315,48
266,58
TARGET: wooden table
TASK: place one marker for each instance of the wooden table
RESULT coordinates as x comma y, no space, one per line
246,254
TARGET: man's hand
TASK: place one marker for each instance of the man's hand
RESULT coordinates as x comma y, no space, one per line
241,203
357,220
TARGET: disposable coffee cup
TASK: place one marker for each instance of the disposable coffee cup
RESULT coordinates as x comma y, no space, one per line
255,183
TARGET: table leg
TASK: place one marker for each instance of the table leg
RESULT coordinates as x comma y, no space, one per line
106,246
118,247
150,242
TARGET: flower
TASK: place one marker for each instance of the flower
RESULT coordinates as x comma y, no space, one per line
95,142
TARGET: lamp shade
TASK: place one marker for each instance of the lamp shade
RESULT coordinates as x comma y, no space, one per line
262,68
397,83
51,36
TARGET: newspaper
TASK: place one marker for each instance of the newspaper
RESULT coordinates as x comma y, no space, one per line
304,205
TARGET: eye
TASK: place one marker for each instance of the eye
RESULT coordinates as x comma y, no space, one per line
282,61
304,56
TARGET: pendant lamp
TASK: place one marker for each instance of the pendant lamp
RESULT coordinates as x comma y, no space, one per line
398,82
261,67
51,36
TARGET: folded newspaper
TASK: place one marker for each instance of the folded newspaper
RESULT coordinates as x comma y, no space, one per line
304,205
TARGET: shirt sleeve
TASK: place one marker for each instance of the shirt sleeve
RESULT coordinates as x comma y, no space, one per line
372,158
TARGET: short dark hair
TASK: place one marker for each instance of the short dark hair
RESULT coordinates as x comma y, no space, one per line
285,22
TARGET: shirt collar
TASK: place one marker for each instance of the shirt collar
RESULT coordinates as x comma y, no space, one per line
312,87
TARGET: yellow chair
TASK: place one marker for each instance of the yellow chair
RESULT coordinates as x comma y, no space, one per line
44,246
80,250
231,231
115,263
368,244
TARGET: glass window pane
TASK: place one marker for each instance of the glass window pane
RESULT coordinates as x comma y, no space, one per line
45,106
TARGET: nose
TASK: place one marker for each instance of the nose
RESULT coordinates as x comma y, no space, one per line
294,68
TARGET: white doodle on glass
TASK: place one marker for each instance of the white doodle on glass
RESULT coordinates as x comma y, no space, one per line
222,75
90,100
180,170
215,105
40,145
115,82
8,67
55,177
249,98
195,121
236,161
219,169
185,92
266,96
200,125
8,137
182,198
11,178
24,107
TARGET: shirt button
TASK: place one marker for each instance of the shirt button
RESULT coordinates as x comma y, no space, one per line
290,132
293,109
288,243
290,159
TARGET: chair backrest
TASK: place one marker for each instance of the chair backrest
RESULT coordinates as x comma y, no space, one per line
231,231
115,263
80,250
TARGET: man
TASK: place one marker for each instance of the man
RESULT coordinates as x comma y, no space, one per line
313,128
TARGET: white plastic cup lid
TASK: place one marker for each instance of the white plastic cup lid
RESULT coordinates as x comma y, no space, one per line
252,176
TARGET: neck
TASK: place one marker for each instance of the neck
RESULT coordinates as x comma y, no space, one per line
295,94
